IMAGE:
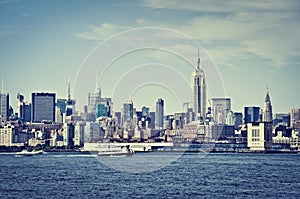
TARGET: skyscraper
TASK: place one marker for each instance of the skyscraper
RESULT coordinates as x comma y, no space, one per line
43,107
267,111
159,114
94,98
4,104
295,117
107,102
251,114
219,109
24,109
70,103
199,91
127,114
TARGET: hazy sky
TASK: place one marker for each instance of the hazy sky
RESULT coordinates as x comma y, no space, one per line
252,44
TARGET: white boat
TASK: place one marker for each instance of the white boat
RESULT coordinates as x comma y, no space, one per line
29,153
112,150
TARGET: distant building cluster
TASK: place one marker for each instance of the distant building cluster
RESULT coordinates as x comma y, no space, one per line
51,122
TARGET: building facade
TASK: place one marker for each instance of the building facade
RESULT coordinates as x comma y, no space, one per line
7,133
94,98
43,107
127,113
259,136
267,115
159,114
251,114
4,106
295,117
220,107
199,92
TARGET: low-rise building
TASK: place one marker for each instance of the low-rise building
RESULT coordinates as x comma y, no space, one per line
259,136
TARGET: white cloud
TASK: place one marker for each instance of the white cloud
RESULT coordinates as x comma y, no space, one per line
268,30
102,32
223,6
262,30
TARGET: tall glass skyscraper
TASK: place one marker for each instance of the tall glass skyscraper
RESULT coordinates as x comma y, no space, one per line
199,91
43,107
94,98
159,114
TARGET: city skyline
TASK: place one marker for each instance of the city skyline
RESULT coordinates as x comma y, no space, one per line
44,44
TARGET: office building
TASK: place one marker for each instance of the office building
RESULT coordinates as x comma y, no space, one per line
68,135
104,108
101,110
61,104
118,118
24,109
220,107
151,124
199,92
251,114
282,118
145,111
4,106
127,113
159,114
94,98
43,107
259,136
295,117
7,133
238,119
79,134
20,100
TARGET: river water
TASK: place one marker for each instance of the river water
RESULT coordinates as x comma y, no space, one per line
147,175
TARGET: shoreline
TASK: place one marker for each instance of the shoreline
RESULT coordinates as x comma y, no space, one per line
76,151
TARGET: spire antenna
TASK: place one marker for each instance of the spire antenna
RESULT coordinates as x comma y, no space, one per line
69,90
198,65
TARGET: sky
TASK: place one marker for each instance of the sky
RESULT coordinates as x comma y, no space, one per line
144,50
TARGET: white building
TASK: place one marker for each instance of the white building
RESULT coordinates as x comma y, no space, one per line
259,136
7,133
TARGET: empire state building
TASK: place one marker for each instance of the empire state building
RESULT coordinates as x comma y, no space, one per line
199,92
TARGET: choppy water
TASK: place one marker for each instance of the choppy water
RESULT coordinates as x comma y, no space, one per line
190,176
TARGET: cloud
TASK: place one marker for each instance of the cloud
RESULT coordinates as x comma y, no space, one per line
267,30
101,32
223,6
24,14
228,29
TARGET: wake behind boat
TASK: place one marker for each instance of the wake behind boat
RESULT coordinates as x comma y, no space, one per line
111,150
29,153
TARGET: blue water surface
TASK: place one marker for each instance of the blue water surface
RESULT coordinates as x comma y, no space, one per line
190,176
